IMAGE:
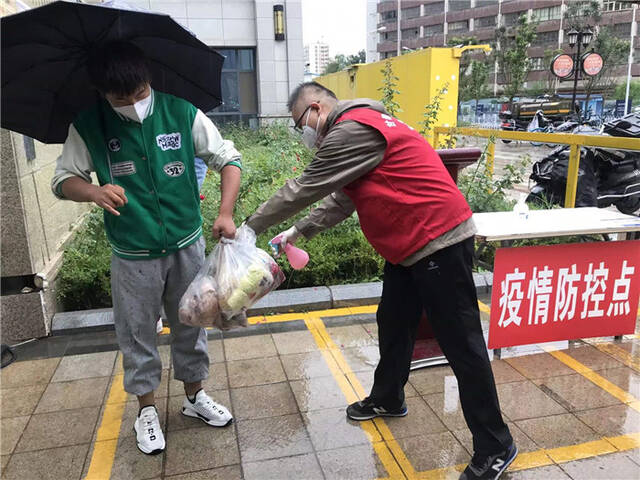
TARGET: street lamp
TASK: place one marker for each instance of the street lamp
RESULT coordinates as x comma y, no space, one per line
579,38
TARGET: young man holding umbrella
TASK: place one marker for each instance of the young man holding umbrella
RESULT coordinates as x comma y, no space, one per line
141,143
413,214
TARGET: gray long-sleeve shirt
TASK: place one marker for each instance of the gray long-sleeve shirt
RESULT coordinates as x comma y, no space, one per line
349,151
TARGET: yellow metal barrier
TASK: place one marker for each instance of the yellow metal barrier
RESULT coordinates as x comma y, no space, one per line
574,140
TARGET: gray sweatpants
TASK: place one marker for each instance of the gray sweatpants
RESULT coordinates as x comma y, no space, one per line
139,288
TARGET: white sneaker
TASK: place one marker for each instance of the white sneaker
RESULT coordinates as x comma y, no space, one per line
159,326
149,436
206,410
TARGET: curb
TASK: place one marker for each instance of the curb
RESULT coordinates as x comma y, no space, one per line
280,301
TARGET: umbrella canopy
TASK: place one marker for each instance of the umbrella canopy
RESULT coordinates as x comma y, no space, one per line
45,83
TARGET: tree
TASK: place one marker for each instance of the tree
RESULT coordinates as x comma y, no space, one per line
340,62
388,89
582,14
475,86
550,79
634,90
511,53
614,51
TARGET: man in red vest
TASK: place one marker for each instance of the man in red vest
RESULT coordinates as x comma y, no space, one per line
415,217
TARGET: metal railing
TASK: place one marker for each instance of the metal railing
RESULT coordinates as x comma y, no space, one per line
575,141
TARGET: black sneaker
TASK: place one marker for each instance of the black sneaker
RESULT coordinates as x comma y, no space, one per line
489,467
366,410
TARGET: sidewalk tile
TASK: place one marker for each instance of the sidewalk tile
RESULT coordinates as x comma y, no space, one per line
262,401
624,377
216,351
449,412
612,421
4,459
317,394
331,429
232,472
130,463
353,463
11,429
520,400
551,472
605,467
59,429
539,365
29,372
362,359
366,380
592,358
253,346
272,437
305,365
77,367
89,392
294,342
351,336
576,392
419,421
196,449
430,380
505,373
557,431
301,467
54,464
177,421
15,402
260,371
437,450
524,443
217,380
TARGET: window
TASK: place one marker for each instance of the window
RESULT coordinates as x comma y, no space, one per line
239,87
455,5
485,3
548,13
615,6
459,26
433,8
537,63
622,30
545,38
510,19
407,13
433,29
390,15
390,36
410,33
485,22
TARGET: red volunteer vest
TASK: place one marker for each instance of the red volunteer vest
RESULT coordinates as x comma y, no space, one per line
409,199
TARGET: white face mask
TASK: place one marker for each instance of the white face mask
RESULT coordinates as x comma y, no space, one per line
136,112
309,135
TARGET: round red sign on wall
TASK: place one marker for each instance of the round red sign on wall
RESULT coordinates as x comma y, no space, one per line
562,65
592,64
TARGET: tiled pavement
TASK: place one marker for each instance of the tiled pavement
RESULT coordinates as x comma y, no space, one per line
287,380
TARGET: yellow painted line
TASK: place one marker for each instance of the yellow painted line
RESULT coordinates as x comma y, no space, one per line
625,442
612,389
484,307
618,353
528,460
389,452
579,452
104,450
165,331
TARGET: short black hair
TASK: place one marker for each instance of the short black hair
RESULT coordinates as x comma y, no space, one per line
306,86
118,67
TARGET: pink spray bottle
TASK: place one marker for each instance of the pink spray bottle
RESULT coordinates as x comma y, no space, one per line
297,257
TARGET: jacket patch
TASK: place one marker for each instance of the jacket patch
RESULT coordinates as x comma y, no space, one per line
169,141
174,169
114,144
121,169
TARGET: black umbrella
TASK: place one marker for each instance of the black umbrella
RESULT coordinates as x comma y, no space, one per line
44,52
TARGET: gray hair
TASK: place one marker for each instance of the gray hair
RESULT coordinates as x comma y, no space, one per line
306,87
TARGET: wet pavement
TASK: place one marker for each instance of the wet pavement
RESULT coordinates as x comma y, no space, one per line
575,413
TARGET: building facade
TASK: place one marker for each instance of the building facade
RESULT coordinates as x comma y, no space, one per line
432,23
316,58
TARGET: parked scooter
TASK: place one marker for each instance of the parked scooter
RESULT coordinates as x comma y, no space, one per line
605,176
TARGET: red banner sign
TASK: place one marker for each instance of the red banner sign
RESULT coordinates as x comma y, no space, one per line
562,65
563,292
592,64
